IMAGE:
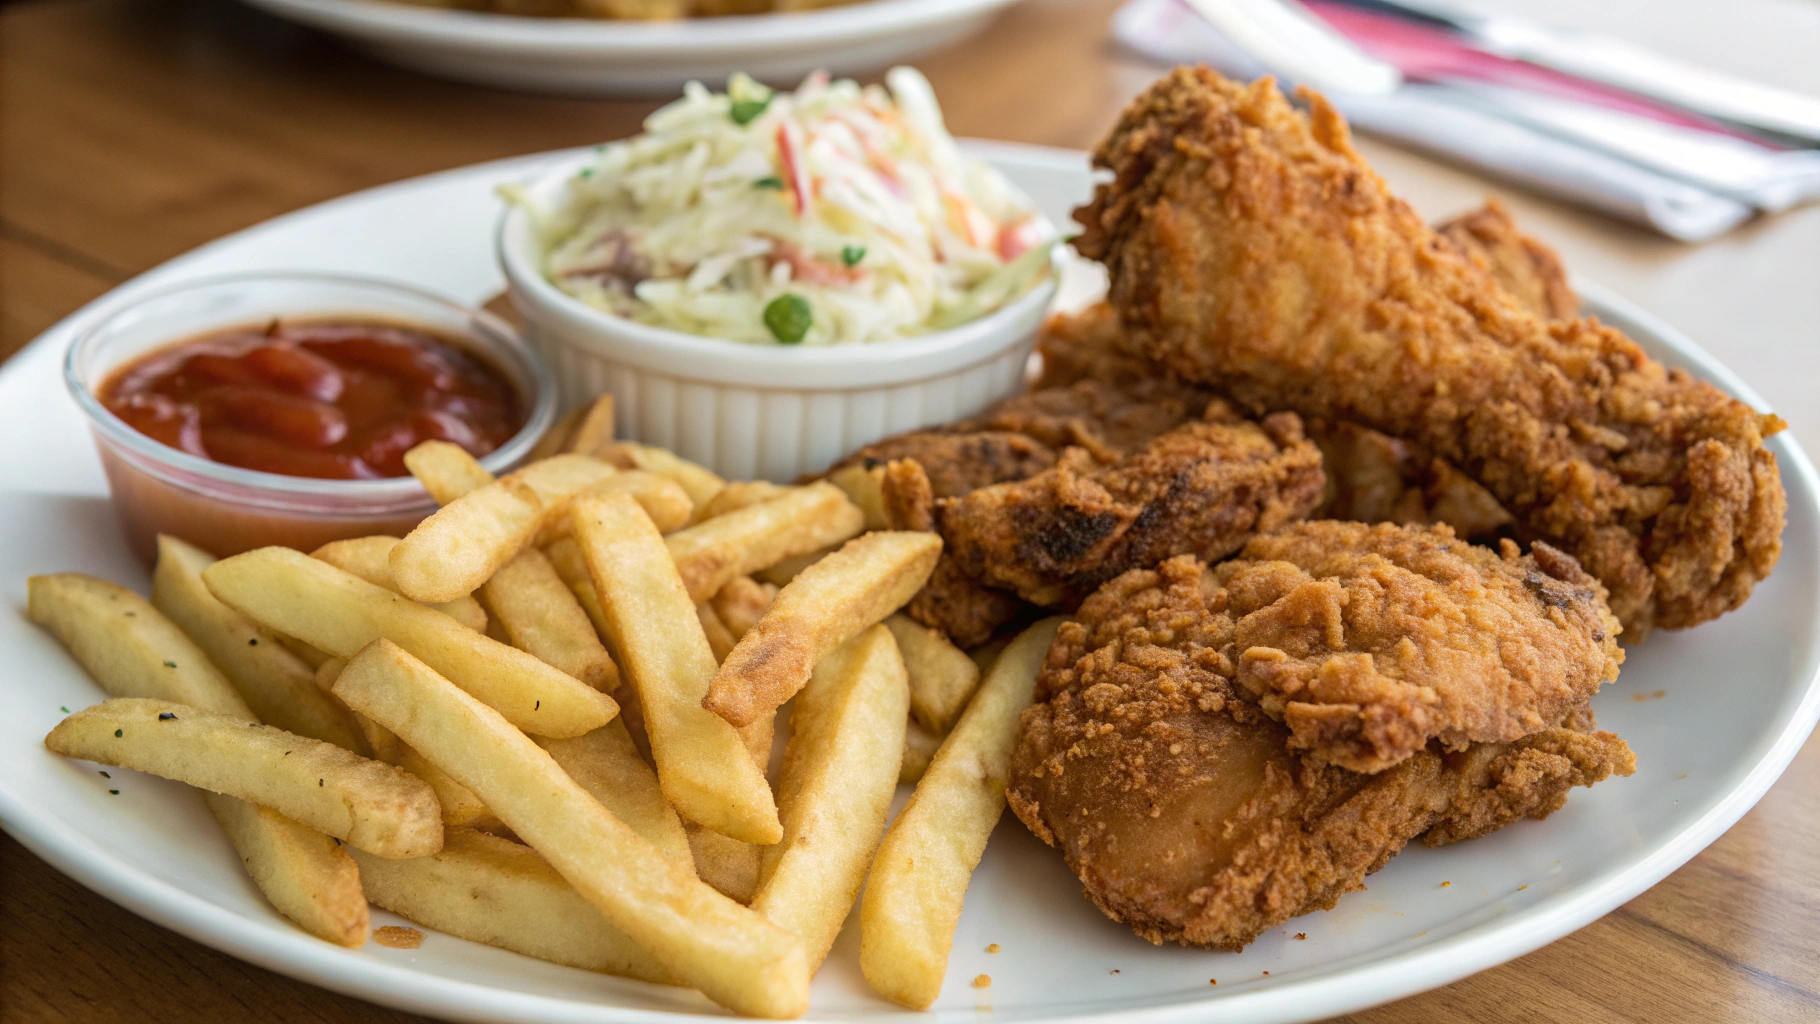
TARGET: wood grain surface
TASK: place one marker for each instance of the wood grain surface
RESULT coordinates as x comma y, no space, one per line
134,130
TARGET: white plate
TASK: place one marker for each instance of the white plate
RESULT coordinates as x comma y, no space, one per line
641,58
1738,698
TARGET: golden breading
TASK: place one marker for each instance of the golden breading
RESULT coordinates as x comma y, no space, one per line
1251,249
1179,804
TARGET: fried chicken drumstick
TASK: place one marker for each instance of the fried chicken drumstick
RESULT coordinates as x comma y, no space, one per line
1186,810
1251,249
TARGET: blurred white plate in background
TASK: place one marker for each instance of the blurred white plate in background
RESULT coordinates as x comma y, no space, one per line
633,58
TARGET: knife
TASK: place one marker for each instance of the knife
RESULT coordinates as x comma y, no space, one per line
1624,65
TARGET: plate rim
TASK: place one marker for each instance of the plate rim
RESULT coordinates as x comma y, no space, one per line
291,952
481,32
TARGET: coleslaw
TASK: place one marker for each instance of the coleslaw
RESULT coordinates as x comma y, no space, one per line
837,214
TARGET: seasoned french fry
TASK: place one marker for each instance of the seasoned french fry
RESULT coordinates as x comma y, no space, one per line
340,613
305,875
454,551
703,939
782,573
275,683
728,865
738,495
829,604
486,889
554,440
710,554
541,615
741,603
920,746
595,430
368,804
447,471
129,647
840,772
370,559
720,638
651,624
865,486
919,877
662,498
701,483
942,677
607,765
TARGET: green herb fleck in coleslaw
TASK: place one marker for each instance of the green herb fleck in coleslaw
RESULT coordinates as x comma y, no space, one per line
852,202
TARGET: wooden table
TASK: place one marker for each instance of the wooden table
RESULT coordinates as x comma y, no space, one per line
134,130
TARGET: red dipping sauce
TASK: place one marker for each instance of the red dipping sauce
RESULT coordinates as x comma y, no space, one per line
328,399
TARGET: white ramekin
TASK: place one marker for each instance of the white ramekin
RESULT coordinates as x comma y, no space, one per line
748,411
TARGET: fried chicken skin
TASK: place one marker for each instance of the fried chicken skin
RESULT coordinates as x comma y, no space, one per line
1045,496
1180,804
1368,642
1250,249
1203,488
1529,270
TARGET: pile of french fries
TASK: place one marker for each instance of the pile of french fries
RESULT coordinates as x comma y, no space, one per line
543,719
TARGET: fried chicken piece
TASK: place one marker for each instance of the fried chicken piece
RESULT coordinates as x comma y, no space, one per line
959,462
1531,272
1370,641
1179,804
1250,249
1202,488
1375,478
969,612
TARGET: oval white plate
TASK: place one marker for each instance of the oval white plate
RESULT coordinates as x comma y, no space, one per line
1737,698
641,58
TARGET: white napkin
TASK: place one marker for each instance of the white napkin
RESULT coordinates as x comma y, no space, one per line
1451,124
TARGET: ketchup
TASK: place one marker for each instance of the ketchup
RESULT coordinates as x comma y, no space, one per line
336,399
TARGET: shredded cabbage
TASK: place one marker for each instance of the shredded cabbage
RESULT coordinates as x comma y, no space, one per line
855,200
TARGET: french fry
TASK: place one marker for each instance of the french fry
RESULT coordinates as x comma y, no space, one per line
704,940
554,440
662,498
708,555
741,603
370,559
607,765
651,623
865,487
305,875
829,604
920,874
446,470
720,638
738,495
341,613
942,677
565,558
782,573
728,865
460,807
368,804
595,430
486,889
541,615
275,683
986,654
701,483
309,655
454,551
128,647
920,746
840,772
